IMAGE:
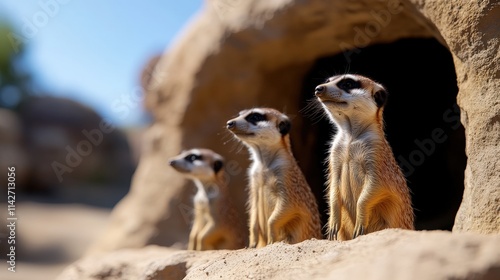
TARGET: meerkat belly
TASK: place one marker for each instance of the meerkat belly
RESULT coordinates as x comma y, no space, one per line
353,175
202,214
266,200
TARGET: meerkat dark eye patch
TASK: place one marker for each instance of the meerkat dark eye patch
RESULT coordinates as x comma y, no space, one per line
254,118
284,127
218,164
192,157
380,98
348,84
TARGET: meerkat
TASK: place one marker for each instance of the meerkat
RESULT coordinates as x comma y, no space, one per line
367,191
281,204
215,224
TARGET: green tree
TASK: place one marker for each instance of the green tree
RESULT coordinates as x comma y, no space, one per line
15,81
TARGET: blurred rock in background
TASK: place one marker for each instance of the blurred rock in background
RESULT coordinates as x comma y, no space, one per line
70,144
12,150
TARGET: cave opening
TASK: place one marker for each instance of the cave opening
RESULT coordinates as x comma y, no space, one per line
422,124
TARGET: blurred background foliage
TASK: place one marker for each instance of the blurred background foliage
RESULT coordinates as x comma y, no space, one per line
15,79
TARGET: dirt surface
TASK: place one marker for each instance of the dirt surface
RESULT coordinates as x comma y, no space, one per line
388,254
50,237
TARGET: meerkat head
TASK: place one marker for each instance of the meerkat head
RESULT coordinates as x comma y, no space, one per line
260,126
202,164
351,95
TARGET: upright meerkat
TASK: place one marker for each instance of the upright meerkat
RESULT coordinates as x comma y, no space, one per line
216,223
367,190
282,206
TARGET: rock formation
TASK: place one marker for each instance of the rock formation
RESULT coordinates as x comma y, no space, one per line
67,142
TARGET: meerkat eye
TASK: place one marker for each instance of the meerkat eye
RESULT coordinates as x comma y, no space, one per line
254,118
192,157
348,84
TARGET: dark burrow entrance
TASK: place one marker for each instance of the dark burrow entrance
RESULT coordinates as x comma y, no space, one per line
422,124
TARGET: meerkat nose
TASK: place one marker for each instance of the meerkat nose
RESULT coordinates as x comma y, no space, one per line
171,162
231,124
319,90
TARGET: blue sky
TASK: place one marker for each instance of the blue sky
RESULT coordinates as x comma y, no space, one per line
93,50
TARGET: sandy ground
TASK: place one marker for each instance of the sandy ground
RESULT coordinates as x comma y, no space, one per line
388,254
50,237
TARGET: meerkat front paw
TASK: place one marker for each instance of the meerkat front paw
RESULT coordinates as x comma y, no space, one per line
333,232
358,230
253,241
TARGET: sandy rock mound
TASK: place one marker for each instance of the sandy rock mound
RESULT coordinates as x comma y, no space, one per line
389,254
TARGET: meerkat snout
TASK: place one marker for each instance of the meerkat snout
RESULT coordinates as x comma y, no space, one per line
319,90
230,124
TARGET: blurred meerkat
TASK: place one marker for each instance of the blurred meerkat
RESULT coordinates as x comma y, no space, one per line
282,206
215,224
366,188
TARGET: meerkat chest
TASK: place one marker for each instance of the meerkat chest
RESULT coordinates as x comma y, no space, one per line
350,159
351,152
201,199
264,181
207,198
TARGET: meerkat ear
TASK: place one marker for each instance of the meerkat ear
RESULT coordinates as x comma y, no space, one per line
380,97
284,127
218,164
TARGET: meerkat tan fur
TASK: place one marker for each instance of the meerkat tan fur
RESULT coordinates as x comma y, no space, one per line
216,224
281,204
367,191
